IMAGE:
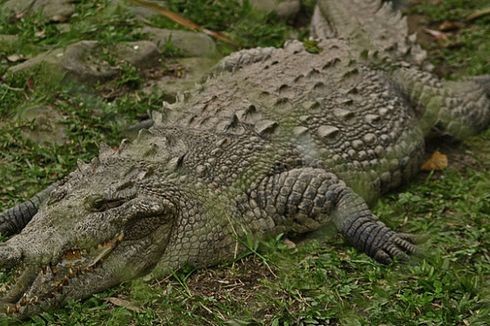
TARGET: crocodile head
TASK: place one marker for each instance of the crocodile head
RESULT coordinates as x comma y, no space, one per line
108,223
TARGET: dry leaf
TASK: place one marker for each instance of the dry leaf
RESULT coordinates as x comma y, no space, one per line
438,161
73,255
125,304
479,13
440,36
15,58
30,84
290,244
40,34
447,26
20,15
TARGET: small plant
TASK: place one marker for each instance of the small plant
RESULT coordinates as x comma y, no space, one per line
312,46
129,76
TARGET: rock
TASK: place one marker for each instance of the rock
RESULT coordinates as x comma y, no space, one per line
64,27
192,44
46,125
50,58
82,61
285,9
54,10
141,54
16,58
139,11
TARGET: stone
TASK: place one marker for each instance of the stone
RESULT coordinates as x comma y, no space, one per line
43,125
50,58
192,44
141,54
82,61
54,10
140,12
285,9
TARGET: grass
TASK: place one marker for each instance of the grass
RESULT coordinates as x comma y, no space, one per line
321,281
463,53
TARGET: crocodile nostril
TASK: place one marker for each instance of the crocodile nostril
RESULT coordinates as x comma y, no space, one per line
94,203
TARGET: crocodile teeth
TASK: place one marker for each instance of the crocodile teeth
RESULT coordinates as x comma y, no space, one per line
107,248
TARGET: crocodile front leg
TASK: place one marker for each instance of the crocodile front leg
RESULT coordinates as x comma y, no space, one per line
13,220
306,198
366,233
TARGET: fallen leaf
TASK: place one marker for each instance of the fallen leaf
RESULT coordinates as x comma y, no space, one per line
479,13
40,34
59,18
15,58
20,15
73,255
438,161
30,84
290,244
125,304
438,35
447,26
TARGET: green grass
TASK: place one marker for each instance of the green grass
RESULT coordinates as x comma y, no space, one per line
466,51
319,282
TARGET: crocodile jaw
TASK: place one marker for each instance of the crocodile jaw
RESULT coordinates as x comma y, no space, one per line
75,268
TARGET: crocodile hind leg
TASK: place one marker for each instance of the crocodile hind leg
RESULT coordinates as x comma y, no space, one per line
455,108
306,198
13,220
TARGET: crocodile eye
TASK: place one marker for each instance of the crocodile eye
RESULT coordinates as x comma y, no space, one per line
100,204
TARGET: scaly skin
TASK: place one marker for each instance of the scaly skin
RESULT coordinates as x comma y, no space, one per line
276,141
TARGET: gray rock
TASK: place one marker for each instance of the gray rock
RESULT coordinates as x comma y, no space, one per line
140,12
50,58
285,9
54,10
141,54
45,125
192,44
64,27
82,61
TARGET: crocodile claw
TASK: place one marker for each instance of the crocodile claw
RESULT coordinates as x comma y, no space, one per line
398,246
378,241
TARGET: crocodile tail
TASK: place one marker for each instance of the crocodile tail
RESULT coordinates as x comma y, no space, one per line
373,25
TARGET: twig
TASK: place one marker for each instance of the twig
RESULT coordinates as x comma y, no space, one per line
479,13
183,21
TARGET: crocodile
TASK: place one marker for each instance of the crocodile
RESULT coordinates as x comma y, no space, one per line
273,141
